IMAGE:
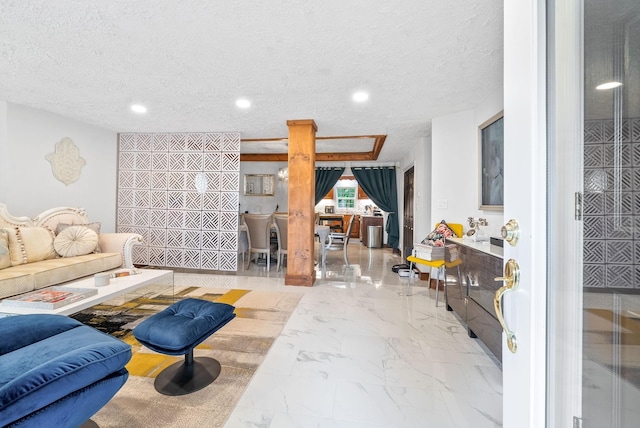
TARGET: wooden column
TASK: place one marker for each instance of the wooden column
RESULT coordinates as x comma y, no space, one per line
302,185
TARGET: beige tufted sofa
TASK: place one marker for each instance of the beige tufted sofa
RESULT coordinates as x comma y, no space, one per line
30,250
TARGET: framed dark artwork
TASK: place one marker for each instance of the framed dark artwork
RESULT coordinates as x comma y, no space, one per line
491,136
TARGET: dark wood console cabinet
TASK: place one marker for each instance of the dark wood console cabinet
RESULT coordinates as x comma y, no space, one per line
470,294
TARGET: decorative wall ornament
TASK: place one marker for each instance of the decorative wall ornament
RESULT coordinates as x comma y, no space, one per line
201,182
66,161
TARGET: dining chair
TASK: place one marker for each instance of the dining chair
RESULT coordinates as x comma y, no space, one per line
281,221
316,220
339,236
258,235
343,239
243,246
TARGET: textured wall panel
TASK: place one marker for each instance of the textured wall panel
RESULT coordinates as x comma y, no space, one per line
594,156
193,201
160,143
158,197
229,201
210,220
594,227
611,248
174,257
157,237
210,240
126,179
210,260
125,218
228,260
228,241
229,221
594,275
159,203
191,259
126,143
157,256
593,132
635,130
621,202
211,202
141,253
212,161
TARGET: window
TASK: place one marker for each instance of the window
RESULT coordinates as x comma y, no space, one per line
346,197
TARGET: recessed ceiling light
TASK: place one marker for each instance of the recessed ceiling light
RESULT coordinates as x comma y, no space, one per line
138,108
242,103
360,97
608,85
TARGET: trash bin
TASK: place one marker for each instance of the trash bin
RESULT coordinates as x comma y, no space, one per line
374,236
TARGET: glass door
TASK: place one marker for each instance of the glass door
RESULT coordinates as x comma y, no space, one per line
593,335
611,217
572,182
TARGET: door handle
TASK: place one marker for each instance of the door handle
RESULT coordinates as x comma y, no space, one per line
511,232
511,279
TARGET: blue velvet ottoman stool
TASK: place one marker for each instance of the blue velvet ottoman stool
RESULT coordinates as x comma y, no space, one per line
176,331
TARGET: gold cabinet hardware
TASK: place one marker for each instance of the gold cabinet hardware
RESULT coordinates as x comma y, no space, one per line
511,279
511,232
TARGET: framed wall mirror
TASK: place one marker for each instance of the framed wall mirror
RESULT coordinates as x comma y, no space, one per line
491,166
259,184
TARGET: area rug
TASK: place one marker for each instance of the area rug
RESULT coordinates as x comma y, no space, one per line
240,347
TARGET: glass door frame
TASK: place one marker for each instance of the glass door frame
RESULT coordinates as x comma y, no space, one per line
565,123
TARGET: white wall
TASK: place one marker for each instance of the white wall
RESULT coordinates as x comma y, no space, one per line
264,204
446,169
420,159
4,156
454,168
28,186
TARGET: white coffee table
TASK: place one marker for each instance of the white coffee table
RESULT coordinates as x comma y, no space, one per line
116,287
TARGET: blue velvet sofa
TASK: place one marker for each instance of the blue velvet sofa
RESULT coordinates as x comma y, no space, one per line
56,371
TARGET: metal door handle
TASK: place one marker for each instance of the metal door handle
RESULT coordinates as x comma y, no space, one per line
511,279
511,232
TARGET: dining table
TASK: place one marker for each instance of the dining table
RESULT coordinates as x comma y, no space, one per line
335,220
321,231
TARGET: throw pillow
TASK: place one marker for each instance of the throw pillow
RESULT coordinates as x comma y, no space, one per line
438,235
5,257
30,244
75,241
93,226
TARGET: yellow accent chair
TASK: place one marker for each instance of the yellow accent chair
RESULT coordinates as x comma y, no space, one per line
440,265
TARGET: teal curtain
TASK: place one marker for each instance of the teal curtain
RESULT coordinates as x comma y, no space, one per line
380,185
326,178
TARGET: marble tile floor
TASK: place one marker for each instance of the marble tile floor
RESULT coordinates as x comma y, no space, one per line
364,349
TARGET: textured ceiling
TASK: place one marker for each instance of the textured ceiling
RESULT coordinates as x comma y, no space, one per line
189,61
612,52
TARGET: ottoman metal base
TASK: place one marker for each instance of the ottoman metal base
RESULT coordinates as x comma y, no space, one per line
190,375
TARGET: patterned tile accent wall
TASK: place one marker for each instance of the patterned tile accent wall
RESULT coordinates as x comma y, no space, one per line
611,205
158,181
